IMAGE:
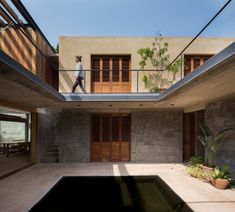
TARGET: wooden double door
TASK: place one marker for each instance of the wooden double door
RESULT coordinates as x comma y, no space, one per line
110,74
191,62
110,137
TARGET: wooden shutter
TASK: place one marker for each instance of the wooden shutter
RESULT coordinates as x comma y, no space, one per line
106,128
115,69
115,128
193,61
95,128
187,65
125,69
125,128
196,62
96,70
106,70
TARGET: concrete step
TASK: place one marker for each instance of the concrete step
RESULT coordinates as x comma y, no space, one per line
54,145
50,160
52,150
51,154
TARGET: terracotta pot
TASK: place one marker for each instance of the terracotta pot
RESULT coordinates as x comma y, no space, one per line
208,172
220,183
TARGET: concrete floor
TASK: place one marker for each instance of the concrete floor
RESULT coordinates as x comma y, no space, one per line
12,163
22,190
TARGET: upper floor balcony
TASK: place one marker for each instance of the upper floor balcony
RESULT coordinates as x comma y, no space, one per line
113,74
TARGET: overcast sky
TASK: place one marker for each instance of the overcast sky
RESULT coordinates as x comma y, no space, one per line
130,17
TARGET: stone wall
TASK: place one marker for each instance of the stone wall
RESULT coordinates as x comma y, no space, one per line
73,136
221,115
156,136
47,130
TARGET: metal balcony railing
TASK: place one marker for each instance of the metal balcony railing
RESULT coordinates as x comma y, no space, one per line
119,81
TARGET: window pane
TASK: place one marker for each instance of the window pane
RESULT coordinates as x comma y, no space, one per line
12,131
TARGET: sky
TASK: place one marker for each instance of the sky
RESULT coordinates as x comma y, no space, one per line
130,17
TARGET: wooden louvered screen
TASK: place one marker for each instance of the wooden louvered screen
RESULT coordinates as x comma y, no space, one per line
115,128
110,137
125,69
106,70
116,68
188,136
96,128
192,62
125,131
110,74
105,129
96,70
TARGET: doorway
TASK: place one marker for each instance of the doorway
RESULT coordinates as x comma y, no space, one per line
191,144
110,74
110,137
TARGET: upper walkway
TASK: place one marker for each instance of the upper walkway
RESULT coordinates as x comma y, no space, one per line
212,80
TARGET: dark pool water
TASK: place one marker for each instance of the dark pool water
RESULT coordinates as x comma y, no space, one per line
111,194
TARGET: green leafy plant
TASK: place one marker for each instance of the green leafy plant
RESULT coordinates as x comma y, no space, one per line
212,142
222,173
155,90
196,171
159,57
145,80
195,161
57,48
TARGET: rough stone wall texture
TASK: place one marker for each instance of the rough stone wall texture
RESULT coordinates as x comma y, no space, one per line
221,115
73,137
156,136
47,130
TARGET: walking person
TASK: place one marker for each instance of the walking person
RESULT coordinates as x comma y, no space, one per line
79,74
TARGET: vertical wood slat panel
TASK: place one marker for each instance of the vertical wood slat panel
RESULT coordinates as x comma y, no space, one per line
113,127
112,80
188,136
17,46
194,61
13,43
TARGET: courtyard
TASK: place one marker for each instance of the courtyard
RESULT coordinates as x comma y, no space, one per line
22,190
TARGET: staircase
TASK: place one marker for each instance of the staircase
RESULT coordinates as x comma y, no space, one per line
52,154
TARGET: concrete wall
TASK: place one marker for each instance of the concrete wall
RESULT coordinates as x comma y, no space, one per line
87,46
47,131
156,136
221,115
73,136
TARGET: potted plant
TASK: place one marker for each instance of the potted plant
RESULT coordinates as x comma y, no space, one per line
194,167
212,143
221,177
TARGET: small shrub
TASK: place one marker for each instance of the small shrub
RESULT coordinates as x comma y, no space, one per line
195,171
155,90
194,161
222,173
